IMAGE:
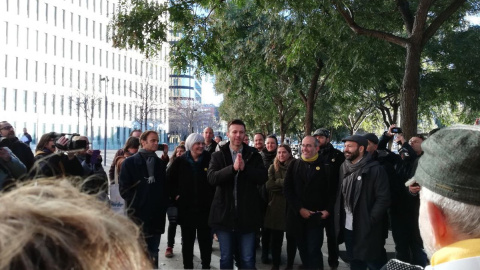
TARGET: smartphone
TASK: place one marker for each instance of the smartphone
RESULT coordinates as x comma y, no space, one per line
318,213
396,130
161,146
95,155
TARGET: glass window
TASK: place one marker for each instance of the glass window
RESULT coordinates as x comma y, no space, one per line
63,18
26,69
93,55
45,103
25,99
35,102
36,40
46,12
79,24
28,37
6,65
54,45
37,8
55,15
100,57
46,43
53,104
86,27
17,34
86,53
6,32
16,67
3,99
93,29
15,93
36,71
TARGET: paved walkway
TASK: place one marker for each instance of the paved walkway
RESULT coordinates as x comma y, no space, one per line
176,261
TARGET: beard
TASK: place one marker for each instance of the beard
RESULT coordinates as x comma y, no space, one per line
352,155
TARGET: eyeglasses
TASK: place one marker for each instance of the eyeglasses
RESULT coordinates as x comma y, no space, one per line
6,128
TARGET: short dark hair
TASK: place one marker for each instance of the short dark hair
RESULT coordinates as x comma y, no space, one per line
145,134
236,122
273,137
261,134
133,131
419,136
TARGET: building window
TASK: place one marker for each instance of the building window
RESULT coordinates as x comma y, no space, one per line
113,110
25,99
46,12
63,76
71,49
35,102
28,8
6,65
16,67
86,53
63,47
28,37
46,43
36,71
3,99
37,8
113,86
100,57
78,79
70,103
26,69
71,21
45,103
79,24
93,29
118,110
78,51
15,93
55,45
113,61
93,55
106,59
63,18
62,103
54,74
100,31
53,104
86,27
17,34
6,32
71,78
55,15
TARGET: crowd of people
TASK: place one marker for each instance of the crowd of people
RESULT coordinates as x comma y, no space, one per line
426,193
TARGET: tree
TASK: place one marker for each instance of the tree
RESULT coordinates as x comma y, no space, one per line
86,104
147,105
412,27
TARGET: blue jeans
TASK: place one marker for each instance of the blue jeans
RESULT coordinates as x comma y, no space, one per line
310,246
358,264
246,247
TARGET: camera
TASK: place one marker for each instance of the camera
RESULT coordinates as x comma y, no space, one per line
71,145
396,130
161,146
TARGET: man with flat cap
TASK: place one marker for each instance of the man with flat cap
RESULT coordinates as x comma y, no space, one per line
449,175
363,198
332,159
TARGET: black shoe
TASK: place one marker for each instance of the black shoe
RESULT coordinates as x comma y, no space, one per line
265,260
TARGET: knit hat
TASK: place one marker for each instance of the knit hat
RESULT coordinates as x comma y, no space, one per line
322,132
192,139
371,137
450,164
362,141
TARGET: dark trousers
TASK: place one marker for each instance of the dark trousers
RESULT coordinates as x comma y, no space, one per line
291,249
358,264
331,242
204,242
266,234
276,238
153,241
172,231
408,242
310,246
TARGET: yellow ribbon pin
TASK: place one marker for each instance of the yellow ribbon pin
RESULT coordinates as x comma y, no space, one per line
318,168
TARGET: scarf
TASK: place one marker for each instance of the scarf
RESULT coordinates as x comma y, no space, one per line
457,251
351,172
150,158
312,159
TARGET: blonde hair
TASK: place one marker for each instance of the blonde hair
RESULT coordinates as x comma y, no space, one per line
50,224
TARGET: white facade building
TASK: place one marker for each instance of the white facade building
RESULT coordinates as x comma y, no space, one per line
56,53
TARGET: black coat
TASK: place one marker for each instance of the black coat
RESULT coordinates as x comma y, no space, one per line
49,164
192,187
307,186
243,215
371,205
22,151
211,147
147,203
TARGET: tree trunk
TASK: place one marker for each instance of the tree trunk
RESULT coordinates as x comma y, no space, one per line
409,92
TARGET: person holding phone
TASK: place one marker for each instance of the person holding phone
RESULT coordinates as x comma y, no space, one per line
93,172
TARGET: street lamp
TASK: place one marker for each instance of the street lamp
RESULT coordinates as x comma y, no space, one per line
105,79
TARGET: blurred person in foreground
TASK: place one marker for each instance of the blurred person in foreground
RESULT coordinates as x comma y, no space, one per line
11,168
448,174
49,224
21,150
143,186
189,187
